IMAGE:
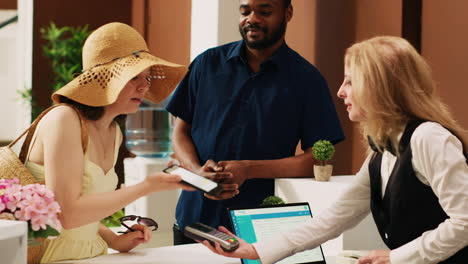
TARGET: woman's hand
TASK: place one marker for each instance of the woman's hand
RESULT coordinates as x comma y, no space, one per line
376,257
161,181
245,250
128,241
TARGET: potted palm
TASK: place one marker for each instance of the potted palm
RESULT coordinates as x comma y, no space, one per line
323,151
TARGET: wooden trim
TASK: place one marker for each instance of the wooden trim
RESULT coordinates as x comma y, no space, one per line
412,22
8,4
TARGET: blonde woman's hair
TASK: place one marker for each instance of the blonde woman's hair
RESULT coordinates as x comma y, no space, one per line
394,85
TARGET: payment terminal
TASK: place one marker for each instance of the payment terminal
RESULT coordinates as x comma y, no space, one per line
200,232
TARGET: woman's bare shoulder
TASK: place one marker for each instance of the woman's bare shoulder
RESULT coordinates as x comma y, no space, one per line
62,122
61,116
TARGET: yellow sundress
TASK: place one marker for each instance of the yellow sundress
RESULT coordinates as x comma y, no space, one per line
82,242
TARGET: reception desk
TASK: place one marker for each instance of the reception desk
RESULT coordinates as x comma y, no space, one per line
13,241
183,254
320,195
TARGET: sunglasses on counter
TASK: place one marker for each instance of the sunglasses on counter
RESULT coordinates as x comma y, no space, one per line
140,220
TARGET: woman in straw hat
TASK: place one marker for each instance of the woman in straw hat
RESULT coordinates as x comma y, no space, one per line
118,73
415,179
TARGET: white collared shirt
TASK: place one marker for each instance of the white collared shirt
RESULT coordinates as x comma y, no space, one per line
438,161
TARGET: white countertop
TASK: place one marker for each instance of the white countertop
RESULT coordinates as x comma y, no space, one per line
183,254
13,241
189,254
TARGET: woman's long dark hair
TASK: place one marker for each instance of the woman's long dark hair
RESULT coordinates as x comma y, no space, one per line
92,113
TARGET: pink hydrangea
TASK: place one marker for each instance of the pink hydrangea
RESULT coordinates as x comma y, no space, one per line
33,203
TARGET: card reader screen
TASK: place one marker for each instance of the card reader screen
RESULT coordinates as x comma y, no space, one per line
200,182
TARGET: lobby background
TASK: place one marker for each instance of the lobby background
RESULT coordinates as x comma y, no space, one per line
320,31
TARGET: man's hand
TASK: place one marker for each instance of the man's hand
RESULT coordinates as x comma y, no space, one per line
376,257
238,168
213,171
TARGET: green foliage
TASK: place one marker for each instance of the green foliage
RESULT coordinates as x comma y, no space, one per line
113,220
323,150
272,200
63,48
41,232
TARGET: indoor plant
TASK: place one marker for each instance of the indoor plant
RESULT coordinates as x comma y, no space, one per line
272,200
63,49
323,151
34,204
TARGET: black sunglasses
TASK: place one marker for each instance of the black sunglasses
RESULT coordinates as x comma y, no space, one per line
140,220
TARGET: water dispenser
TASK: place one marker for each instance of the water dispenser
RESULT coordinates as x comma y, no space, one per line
148,131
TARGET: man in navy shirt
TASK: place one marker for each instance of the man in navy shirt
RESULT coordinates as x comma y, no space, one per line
241,111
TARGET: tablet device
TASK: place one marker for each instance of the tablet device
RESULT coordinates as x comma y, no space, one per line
262,222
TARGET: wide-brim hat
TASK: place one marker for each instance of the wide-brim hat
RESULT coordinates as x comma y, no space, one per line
112,55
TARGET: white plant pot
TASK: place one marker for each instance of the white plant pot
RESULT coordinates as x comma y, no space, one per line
323,173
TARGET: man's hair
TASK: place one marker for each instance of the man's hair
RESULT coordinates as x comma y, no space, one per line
393,85
286,3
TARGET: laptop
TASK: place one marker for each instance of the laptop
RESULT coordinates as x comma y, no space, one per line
261,222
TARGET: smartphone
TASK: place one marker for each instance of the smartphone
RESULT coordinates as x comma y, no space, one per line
199,182
200,232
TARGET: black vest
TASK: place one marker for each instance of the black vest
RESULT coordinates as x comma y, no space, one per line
409,207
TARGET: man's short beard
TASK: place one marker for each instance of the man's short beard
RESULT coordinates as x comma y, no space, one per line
267,41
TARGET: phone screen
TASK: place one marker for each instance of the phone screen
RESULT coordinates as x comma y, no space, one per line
197,181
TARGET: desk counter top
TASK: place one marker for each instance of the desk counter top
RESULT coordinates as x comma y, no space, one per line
183,254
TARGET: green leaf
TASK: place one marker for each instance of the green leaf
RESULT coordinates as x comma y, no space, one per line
63,49
113,220
41,232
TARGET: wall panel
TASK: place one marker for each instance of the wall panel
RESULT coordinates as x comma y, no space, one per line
445,46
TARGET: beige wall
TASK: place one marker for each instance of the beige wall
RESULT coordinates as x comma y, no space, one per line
445,46
321,31
169,29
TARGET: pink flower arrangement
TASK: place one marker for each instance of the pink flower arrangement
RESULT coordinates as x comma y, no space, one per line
33,203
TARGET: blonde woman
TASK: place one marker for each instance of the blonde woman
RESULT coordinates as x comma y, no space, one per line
415,179
118,73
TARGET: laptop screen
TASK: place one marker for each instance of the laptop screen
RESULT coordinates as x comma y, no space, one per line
260,223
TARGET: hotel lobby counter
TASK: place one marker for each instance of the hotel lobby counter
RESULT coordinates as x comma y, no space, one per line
183,254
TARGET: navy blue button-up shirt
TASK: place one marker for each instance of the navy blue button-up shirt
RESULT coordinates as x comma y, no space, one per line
237,114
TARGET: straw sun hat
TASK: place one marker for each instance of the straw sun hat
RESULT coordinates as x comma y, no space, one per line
112,55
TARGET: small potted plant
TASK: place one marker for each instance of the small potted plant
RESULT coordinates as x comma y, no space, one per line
323,151
272,200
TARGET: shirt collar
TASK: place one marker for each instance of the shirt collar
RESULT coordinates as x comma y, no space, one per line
278,58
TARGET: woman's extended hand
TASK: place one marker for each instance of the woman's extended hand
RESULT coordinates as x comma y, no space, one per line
128,241
245,250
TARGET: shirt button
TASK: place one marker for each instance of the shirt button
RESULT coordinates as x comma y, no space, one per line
386,236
